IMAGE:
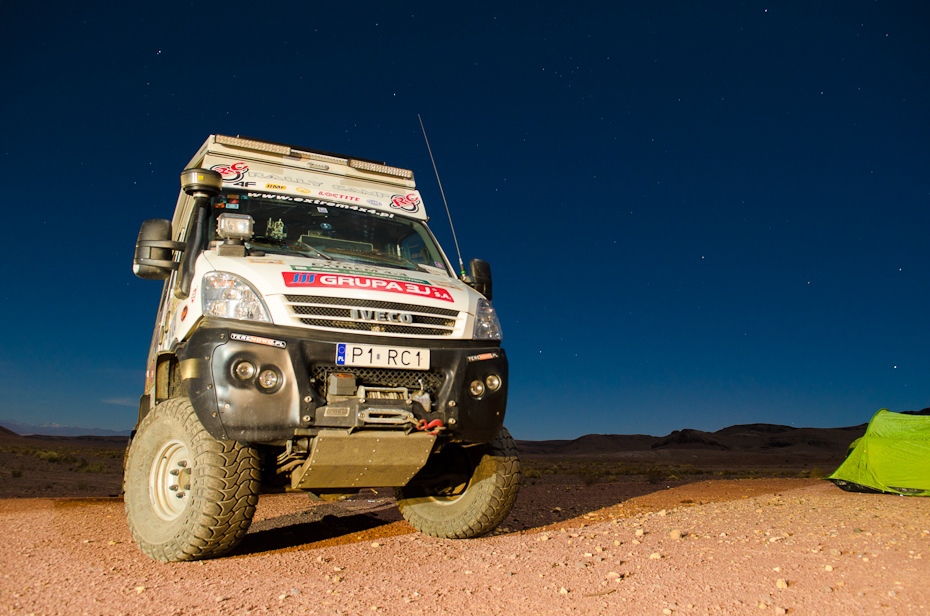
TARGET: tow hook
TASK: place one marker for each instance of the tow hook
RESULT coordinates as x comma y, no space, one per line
434,427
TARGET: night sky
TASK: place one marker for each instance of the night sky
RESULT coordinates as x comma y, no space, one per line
697,213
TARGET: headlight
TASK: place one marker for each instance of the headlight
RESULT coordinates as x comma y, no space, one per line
487,325
227,295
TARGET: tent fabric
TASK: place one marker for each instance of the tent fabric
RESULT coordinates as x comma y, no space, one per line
893,456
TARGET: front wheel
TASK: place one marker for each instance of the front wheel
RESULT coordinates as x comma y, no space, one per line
464,492
188,496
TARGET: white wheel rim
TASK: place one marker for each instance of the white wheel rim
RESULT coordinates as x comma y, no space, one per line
169,480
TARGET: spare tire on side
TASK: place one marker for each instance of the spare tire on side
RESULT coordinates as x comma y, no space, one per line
187,495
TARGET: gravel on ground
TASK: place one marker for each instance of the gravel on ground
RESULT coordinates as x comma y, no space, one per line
765,546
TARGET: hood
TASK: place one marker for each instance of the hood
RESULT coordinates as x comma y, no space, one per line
276,275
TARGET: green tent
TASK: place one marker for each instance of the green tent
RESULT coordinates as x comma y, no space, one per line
893,456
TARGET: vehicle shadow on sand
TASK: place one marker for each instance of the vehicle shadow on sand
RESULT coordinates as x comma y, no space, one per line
537,507
322,526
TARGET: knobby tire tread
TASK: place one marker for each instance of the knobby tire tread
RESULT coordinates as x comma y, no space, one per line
225,480
487,502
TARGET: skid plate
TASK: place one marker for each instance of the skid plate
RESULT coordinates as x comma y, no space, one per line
370,459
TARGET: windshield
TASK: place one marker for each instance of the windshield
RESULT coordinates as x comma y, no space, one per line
322,229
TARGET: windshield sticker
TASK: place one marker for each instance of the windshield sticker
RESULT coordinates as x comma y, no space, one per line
322,210
343,206
258,340
408,203
333,281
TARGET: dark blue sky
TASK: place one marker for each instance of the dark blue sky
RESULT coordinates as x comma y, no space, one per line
698,214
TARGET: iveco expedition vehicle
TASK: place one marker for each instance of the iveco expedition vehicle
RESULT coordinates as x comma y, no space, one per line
311,336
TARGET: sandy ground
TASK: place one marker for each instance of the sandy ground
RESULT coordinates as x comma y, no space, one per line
761,546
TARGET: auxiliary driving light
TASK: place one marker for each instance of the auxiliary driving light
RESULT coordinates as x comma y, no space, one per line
244,370
476,388
234,226
268,379
493,382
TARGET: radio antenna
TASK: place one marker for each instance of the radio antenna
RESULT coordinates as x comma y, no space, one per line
442,192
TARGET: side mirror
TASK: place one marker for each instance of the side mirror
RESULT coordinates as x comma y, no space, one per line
480,277
153,259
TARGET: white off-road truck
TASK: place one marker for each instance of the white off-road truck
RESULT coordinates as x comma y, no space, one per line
312,336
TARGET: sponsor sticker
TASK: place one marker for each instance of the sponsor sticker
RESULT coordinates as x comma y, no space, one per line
408,203
280,179
258,340
314,201
233,172
271,186
348,269
483,356
322,280
326,193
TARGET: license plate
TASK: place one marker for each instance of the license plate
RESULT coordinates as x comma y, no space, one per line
369,356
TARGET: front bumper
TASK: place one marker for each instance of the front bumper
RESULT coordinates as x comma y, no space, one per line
232,408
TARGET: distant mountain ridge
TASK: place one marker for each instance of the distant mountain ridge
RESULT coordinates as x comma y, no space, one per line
741,436
50,429
746,437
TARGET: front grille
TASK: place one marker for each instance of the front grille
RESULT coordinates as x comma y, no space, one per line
367,327
430,381
335,313
364,303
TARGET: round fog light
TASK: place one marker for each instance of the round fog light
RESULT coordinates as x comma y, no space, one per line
268,379
493,381
244,370
476,388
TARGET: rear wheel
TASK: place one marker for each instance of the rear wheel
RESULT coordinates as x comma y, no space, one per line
188,496
464,492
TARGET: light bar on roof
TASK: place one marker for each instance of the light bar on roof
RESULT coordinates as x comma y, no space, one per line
321,157
383,169
251,144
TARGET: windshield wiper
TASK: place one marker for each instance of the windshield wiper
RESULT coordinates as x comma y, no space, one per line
412,264
385,260
286,247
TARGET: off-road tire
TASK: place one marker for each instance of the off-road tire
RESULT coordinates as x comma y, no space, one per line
489,496
219,483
